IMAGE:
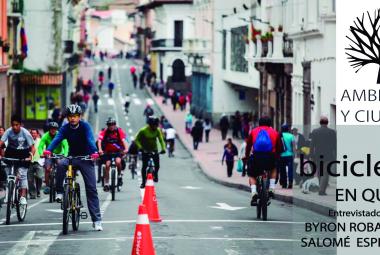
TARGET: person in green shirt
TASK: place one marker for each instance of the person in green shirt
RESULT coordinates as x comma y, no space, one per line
62,149
146,140
287,157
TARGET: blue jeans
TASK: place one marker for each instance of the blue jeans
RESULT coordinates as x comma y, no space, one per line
87,170
286,179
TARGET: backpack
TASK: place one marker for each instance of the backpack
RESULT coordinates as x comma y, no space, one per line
105,138
263,142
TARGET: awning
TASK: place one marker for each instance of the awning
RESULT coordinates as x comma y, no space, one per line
41,79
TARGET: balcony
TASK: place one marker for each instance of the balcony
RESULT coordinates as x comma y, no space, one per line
197,46
16,8
166,45
279,49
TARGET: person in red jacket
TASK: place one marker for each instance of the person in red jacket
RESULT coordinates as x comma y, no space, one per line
261,151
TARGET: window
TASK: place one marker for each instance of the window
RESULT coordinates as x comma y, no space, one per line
178,33
224,46
238,62
178,71
39,100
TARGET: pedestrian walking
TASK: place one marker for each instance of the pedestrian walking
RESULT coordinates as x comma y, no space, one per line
174,99
188,122
127,103
142,79
35,173
230,151
323,144
242,156
207,128
199,122
224,125
287,158
196,133
111,86
109,71
236,125
95,99
182,102
101,80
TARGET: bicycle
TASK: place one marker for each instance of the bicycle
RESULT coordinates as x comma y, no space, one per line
115,184
170,143
263,200
13,188
133,165
71,203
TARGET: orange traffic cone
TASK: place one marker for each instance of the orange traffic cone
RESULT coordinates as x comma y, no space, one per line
143,243
150,200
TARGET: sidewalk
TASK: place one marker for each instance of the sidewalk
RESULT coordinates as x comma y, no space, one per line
208,156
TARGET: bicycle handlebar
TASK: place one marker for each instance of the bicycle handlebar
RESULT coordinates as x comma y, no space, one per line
57,156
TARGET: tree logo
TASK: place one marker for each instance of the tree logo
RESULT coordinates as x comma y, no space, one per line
365,42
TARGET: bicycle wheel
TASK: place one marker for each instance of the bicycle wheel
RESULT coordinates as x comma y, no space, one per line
113,183
75,213
103,170
133,171
66,209
11,186
52,188
20,209
264,199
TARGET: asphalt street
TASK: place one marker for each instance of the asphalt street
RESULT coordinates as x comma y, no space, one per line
199,216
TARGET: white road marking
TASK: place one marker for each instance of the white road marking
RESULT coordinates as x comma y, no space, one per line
150,101
190,187
160,238
110,101
29,207
130,131
224,206
105,204
216,227
22,245
231,252
134,95
128,124
54,210
43,247
168,221
126,117
136,101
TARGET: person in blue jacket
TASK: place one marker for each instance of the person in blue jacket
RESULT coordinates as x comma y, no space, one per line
79,135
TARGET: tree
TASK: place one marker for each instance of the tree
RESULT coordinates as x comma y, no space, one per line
365,42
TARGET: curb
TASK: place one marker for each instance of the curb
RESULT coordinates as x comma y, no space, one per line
312,206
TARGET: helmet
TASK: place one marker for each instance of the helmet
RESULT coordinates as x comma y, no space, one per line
111,121
153,121
53,124
73,109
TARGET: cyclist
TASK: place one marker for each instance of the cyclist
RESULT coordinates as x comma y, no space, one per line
112,141
81,143
127,103
61,149
146,140
170,134
148,111
101,80
263,141
20,146
133,152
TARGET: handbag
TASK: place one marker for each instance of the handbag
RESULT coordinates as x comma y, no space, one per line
239,166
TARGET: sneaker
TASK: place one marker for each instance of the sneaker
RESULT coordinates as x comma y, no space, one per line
32,196
23,201
38,193
59,198
97,225
142,186
120,181
254,200
46,190
106,188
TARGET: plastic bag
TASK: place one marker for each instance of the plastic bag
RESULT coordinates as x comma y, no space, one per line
239,166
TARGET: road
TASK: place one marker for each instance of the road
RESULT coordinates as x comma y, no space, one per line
199,216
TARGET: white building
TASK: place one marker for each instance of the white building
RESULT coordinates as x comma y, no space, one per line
171,26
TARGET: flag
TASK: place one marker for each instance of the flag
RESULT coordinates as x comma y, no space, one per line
24,42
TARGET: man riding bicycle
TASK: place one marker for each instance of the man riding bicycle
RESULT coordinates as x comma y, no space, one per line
146,140
61,149
81,143
20,146
112,144
263,141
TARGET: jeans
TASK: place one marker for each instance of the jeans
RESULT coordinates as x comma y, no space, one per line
195,144
207,132
286,179
35,175
145,160
87,170
230,167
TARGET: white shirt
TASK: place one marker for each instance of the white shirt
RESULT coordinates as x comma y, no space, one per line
170,133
